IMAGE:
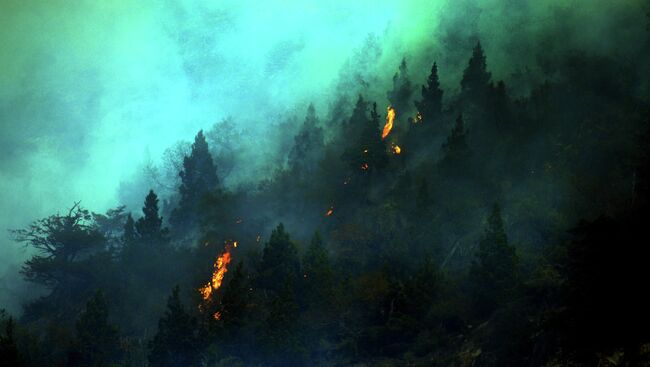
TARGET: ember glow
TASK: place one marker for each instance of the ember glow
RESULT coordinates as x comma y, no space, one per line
329,211
364,166
390,117
220,269
396,149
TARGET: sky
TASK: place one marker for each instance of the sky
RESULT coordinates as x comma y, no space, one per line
89,90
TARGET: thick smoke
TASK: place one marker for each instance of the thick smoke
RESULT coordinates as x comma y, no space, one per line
92,93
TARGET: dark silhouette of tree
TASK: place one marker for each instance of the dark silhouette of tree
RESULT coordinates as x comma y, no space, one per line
368,153
149,227
318,275
402,90
308,145
455,150
280,263
176,343
9,354
494,271
475,83
60,240
97,341
430,106
282,342
234,301
198,177
111,223
130,234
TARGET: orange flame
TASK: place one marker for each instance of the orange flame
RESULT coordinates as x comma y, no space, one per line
390,117
217,315
396,149
364,166
220,269
329,211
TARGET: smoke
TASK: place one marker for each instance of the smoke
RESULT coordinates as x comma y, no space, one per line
90,92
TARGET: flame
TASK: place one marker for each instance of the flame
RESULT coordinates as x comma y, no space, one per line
364,166
390,117
418,118
220,269
329,211
217,315
396,149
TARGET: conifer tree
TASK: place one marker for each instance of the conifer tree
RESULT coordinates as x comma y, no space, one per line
176,343
317,273
430,106
494,270
130,234
97,341
149,227
308,144
235,300
9,354
198,177
475,83
402,90
280,262
455,150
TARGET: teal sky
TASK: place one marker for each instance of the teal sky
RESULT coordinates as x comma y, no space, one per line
89,89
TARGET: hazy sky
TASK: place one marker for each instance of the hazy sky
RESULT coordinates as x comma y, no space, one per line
89,88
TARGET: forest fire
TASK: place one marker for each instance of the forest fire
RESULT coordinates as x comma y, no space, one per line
396,149
220,269
390,117
330,211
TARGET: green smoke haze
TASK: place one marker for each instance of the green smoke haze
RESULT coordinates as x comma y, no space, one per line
91,91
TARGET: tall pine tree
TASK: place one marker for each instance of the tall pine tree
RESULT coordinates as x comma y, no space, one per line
402,90
494,270
149,227
97,341
308,145
198,177
176,344
475,83
430,106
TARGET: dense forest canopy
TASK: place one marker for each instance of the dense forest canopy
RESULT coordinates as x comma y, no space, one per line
444,183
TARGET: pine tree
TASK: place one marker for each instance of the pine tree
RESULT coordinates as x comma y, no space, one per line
475,83
308,145
198,177
455,149
280,262
368,152
9,354
235,300
176,343
402,89
130,234
430,106
97,341
494,270
318,274
149,227
284,347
